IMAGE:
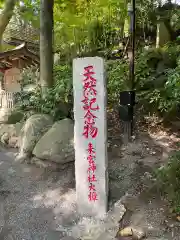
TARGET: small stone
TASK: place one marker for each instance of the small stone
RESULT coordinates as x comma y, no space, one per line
5,138
133,137
21,157
178,218
147,175
138,233
126,232
13,142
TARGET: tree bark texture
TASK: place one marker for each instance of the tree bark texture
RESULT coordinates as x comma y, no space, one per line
46,44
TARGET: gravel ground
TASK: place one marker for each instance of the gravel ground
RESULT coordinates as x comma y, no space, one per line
35,203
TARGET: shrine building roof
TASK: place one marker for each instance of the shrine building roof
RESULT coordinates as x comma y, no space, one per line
21,52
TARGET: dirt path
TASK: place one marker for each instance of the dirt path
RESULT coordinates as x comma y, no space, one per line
134,167
37,204
34,203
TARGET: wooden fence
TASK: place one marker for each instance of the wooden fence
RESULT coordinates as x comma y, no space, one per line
6,99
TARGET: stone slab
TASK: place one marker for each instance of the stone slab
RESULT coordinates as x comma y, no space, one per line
89,84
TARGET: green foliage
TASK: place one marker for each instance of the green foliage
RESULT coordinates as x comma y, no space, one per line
84,25
175,20
167,99
168,179
158,79
58,100
15,116
29,76
117,79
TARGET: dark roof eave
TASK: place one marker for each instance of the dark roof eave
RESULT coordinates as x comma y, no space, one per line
20,50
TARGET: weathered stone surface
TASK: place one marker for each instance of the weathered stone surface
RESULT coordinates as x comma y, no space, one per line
82,67
9,133
12,129
22,157
13,142
32,131
5,138
135,233
47,164
126,232
57,145
101,230
4,114
138,233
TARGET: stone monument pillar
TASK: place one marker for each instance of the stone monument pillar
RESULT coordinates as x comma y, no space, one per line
90,136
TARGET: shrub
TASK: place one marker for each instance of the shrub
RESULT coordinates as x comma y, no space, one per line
165,100
168,179
29,75
15,116
158,79
117,79
58,100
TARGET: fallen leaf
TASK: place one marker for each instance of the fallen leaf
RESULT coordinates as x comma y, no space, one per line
126,232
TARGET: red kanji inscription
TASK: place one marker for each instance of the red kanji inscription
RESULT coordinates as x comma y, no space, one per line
89,88
92,187
90,159
90,107
93,196
92,168
90,148
92,178
89,129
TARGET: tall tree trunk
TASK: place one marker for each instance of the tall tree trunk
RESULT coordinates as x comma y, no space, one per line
5,17
46,44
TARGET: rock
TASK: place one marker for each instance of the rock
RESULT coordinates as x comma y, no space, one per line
47,164
32,131
138,233
11,129
22,157
135,233
4,114
57,145
13,142
10,132
126,232
5,138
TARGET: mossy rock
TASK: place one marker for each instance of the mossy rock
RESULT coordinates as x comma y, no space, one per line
34,128
15,116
